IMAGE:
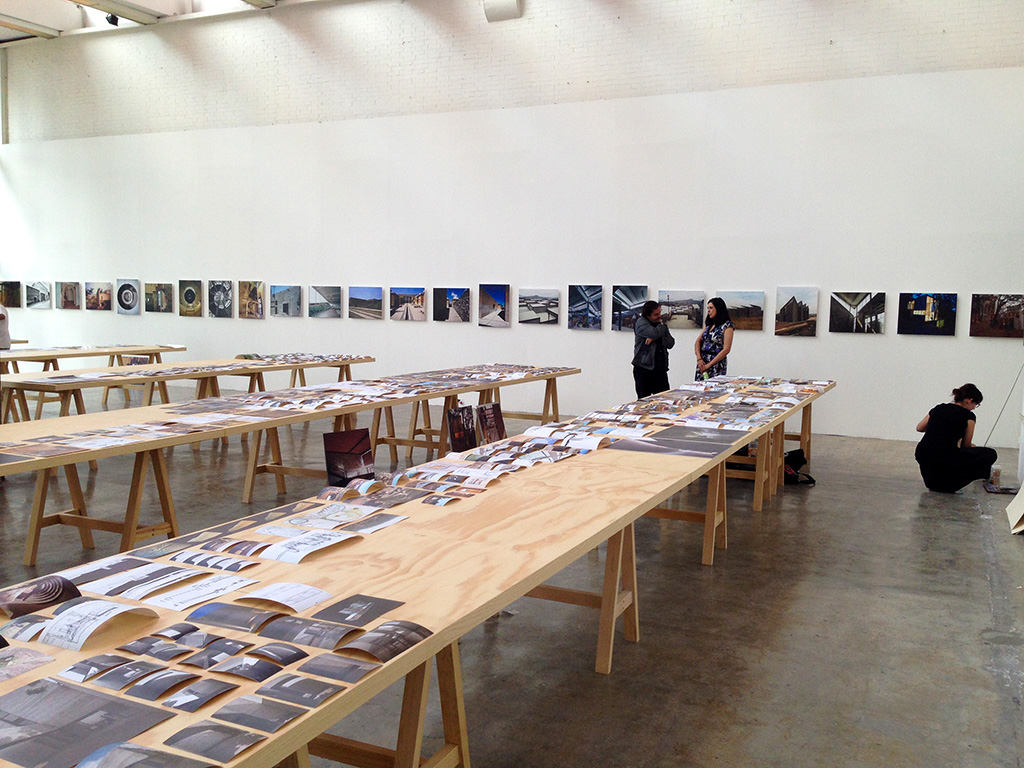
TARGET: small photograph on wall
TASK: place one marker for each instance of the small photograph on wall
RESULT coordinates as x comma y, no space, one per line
190,298
10,294
682,309
221,298
250,299
856,313
494,305
69,295
286,301
408,304
746,309
585,307
927,314
325,301
796,312
128,297
627,301
366,302
159,297
38,295
997,315
451,305
97,295
538,306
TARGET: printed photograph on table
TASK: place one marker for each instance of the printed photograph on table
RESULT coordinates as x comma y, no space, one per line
10,294
97,295
250,299
999,315
856,313
17,661
159,298
285,301
128,297
451,305
37,295
461,428
627,301
69,295
585,307
796,311
51,724
190,298
746,309
348,456
221,297
538,306
366,302
493,305
926,314
325,301
408,304
682,309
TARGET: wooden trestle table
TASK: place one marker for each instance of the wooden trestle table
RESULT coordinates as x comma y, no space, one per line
67,386
49,357
453,567
149,454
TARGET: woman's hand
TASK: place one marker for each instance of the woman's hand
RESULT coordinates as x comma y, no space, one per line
701,366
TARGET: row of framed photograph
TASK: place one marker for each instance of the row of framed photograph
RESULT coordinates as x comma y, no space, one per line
797,311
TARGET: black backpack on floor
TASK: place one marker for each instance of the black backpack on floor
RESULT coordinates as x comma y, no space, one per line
795,460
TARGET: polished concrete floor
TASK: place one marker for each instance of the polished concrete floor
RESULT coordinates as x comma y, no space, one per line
861,622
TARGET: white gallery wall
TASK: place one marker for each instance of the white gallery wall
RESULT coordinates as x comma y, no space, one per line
894,184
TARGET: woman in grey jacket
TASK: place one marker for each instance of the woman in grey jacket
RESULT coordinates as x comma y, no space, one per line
651,343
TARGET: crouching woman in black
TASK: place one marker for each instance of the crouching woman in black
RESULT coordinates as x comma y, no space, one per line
948,458
651,343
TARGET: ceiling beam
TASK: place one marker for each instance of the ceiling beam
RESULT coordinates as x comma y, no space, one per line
28,27
126,10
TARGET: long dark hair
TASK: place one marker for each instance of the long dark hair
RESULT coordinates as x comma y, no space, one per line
967,392
721,312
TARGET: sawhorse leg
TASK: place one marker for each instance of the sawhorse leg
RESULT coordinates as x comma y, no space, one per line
253,466
408,752
550,411
613,601
39,519
131,530
714,517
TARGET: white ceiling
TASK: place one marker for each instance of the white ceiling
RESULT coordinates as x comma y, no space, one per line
44,19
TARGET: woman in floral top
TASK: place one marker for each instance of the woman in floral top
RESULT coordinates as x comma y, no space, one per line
715,341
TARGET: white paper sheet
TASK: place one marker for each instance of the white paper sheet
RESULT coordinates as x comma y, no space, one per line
293,550
75,624
207,589
298,597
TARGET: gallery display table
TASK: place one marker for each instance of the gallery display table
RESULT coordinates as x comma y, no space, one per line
67,387
46,446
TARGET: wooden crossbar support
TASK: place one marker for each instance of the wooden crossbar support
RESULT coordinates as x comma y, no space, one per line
77,516
618,596
714,517
275,466
408,752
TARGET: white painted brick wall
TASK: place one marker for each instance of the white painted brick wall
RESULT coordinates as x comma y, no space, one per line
337,60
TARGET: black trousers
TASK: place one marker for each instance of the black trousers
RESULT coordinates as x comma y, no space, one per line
953,472
649,382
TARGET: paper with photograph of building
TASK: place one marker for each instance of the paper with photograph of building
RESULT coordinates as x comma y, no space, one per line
746,308
494,305
853,312
796,311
